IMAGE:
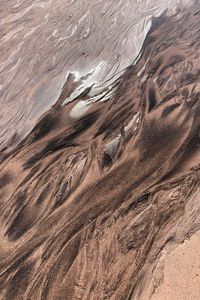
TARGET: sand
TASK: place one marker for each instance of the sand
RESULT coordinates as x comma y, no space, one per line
181,273
100,150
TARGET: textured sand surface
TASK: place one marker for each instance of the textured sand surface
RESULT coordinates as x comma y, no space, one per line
100,150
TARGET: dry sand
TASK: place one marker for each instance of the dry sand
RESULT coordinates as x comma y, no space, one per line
181,273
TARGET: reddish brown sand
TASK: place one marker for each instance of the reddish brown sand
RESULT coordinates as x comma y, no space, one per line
101,192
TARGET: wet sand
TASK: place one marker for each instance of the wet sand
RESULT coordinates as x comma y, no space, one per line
100,165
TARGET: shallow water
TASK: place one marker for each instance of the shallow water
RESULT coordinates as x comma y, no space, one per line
99,141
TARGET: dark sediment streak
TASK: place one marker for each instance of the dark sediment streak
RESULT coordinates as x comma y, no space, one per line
89,200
